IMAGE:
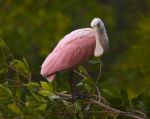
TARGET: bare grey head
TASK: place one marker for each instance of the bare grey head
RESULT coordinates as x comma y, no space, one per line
97,22
101,36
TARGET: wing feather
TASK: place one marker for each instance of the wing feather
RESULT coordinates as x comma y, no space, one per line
74,49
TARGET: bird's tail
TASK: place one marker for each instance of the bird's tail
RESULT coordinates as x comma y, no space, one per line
51,78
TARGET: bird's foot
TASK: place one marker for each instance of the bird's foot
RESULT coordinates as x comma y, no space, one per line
83,96
80,96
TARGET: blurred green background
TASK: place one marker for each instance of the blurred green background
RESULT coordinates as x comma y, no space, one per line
32,28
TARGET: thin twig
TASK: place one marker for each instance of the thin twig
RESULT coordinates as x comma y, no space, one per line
98,92
79,73
73,112
15,81
102,99
18,71
96,82
17,86
100,71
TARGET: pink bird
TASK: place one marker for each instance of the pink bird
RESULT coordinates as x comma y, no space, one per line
76,48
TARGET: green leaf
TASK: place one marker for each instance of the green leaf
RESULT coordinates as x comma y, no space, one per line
95,61
42,107
49,94
15,108
142,101
45,93
87,87
3,70
36,96
124,97
88,107
35,104
5,93
78,106
34,89
33,85
55,96
108,93
46,86
66,103
21,66
84,72
79,84
2,43
25,62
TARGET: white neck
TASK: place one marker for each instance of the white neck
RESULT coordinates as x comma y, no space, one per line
101,41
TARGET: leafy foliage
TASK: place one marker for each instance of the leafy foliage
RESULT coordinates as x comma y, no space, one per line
22,98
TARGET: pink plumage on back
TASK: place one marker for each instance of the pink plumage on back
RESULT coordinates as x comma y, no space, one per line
74,49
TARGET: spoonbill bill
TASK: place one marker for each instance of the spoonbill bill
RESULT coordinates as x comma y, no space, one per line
76,48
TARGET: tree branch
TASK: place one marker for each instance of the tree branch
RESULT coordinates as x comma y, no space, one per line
128,114
113,110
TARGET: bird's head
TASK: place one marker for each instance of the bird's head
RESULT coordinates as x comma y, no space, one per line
101,36
97,22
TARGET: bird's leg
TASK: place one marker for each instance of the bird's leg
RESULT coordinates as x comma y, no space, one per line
74,90
72,85
78,94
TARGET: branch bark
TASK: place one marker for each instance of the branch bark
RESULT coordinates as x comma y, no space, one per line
128,114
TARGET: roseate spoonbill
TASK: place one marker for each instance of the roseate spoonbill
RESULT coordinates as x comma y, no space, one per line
76,48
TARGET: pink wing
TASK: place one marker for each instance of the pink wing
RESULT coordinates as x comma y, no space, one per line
74,49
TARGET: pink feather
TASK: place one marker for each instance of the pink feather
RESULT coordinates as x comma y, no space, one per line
74,49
